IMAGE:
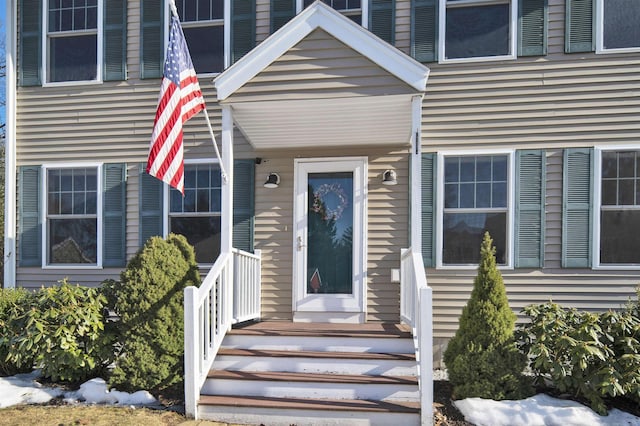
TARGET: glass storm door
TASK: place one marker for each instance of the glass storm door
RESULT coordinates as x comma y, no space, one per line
329,240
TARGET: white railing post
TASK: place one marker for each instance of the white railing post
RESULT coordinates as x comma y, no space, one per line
191,357
425,337
257,279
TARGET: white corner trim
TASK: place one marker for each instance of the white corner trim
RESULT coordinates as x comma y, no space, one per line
319,15
10,210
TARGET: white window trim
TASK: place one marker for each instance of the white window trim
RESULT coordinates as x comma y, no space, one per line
226,25
600,34
45,49
166,201
364,8
442,31
597,205
43,214
509,253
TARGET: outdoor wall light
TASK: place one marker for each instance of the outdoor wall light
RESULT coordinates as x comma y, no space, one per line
273,180
389,178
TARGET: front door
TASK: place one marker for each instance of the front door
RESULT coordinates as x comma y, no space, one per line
330,240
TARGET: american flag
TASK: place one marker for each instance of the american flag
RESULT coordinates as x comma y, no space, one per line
180,99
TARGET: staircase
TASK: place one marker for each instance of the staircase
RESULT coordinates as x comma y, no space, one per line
283,373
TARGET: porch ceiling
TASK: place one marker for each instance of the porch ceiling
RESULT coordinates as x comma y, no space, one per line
348,121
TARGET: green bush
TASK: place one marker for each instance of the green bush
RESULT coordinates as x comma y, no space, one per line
13,303
591,356
149,302
61,331
482,359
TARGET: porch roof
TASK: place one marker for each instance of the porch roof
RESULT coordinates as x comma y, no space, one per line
323,80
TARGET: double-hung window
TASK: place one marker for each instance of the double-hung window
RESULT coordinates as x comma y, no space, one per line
203,27
475,198
617,25
197,214
73,40
619,208
73,205
477,29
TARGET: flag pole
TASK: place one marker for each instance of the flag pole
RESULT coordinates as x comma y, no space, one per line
223,173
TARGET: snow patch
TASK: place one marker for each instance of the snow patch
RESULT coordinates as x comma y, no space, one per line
95,391
24,389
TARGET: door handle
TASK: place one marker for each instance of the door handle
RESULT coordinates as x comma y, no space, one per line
300,244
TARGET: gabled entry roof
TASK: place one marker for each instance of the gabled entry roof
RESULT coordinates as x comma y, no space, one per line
322,78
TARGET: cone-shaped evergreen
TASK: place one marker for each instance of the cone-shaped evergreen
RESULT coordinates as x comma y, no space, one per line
482,359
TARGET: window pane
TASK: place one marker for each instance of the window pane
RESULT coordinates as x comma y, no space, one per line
203,233
206,45
92,202
79,203
203,200
467,169
500,168
499,195
176,201
463,232
189,201
73,241
451,169
626,164
53,202
467,195
626,192
483,195
73,58
609,192
216,204
483,169
617,244
609,164
451,195
621,29
66,203
477,31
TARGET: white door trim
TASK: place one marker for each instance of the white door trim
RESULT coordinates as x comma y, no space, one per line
331,307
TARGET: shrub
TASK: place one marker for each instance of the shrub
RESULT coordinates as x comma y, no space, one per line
589,355
13,304
482,359
61,331
149,301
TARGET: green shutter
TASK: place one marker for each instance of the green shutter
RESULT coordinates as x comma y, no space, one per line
532,27
243,204
152,38
529,209
115,40
114,210
281,12
29,224
151,206
579,26
424,30
243,28
29,46
382,16
428,208
577,199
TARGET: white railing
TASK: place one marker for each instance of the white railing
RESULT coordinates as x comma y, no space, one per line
416,310
209,311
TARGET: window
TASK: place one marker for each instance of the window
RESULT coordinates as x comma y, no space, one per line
73,40
72,212
618,28
475,199
350,8
203,27
197,214
619,208
477,29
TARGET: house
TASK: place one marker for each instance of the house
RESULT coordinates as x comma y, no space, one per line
516,116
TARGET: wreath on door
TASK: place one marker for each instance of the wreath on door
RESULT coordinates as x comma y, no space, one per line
320,206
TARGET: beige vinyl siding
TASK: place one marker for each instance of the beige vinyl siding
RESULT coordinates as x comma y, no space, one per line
263,20
403,26
36,278
553,210
387,228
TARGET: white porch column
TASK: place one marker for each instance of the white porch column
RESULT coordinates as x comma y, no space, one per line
226,241
416,175
10,150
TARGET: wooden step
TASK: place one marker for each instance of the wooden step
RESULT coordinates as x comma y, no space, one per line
286,328
317,354
274,376
311,404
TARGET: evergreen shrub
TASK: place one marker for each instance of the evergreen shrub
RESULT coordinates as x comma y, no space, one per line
148,299
482,359
13,304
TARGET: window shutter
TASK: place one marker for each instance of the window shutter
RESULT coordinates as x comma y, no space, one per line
579,26
428,208
243,28
281,12
115,39
114,210
29,64
529,209
382,16
577,193
532,27
152,38
29,224
424,30
151,206
243,204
